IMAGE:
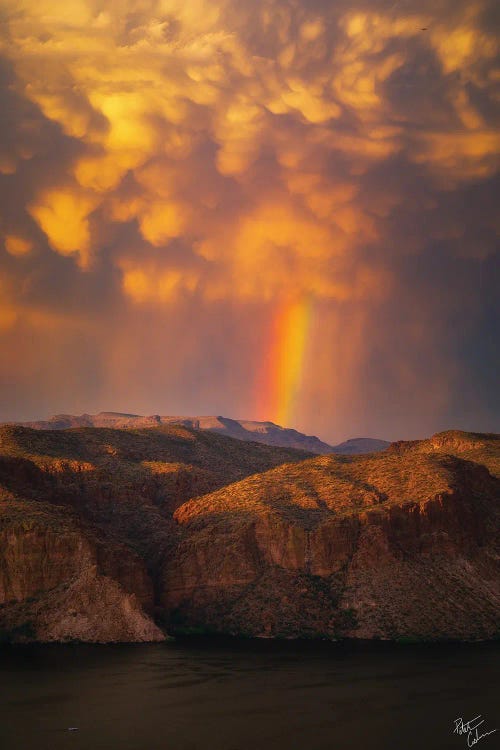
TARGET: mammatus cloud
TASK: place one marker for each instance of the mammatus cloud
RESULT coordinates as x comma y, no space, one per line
170,166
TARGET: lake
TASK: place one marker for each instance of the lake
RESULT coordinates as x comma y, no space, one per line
226,694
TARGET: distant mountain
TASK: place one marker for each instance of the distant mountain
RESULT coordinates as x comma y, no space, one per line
356,446
241,429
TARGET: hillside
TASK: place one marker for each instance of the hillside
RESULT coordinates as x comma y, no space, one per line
105,530
267,433
87,502
399,544
110,476
483,448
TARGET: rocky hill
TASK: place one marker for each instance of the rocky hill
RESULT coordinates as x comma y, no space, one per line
125,534
247,430
86,503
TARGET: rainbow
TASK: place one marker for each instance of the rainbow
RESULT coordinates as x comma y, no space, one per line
284,362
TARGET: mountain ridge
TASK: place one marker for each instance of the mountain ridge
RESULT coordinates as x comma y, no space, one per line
247,430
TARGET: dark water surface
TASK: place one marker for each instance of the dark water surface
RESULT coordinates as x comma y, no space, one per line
239,695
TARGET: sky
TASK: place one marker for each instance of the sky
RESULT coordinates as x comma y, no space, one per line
264,209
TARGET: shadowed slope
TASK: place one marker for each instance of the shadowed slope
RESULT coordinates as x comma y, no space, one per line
62,579
82,504
128,481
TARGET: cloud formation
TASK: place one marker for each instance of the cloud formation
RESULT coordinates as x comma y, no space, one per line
173,172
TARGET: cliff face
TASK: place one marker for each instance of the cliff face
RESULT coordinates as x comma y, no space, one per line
59,581
100,530
386,548
36,558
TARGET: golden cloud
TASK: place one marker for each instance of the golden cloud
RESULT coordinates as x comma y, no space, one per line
153,284
16,245
63,214
143,92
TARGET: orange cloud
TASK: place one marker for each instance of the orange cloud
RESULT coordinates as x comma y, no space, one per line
180,76
155,285
17,246
457,157
63,214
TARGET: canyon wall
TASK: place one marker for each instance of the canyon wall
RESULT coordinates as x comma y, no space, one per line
421,568
117,535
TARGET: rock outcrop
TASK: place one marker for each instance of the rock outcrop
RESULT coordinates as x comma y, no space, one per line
59,581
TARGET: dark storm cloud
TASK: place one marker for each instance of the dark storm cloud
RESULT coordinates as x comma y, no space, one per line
175,174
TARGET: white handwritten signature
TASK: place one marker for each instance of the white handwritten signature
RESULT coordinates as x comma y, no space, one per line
471,729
